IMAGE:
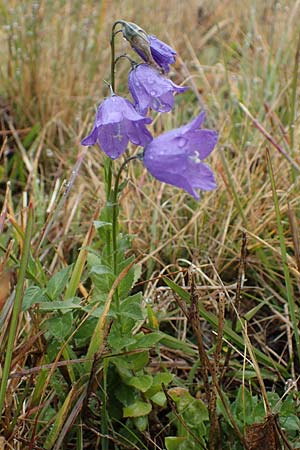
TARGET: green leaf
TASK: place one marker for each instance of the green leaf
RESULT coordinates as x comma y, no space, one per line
118,342
85,332
159,398
243,406
291,423
177,443
128,281
164,378
66,305
101,269
158,380
59,327
125,394
141,382
137,409
141,423
131,307
102,224
146,340
179,291
221,410
136,361
29,138
58,282
32,295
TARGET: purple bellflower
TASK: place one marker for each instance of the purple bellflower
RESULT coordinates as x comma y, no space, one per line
150,89
116,123
162,53
175,157
153,51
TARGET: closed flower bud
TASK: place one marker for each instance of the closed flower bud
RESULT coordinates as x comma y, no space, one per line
139,41
153,51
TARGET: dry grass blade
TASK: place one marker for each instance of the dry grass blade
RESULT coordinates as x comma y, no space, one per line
270,138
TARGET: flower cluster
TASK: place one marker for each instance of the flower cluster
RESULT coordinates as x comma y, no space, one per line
175,157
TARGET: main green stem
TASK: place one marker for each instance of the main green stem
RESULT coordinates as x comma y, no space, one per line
108,167
113,85
108,176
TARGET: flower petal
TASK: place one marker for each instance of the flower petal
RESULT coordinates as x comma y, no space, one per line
91,139
114,109
201,176
138,134
202,142
162,53
113,139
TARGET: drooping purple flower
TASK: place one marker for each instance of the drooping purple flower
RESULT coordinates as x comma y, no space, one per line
116,123
162,53
175,157
150,89
151,50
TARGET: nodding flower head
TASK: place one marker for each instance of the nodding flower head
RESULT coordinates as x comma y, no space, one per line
153,51
117,123
150,89
175,157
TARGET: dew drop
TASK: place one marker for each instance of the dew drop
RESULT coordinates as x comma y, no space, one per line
150,80
181,142
153,93
156,104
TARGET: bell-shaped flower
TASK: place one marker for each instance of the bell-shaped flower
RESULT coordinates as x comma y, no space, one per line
151,50
162,53
150,89
175,157
117,123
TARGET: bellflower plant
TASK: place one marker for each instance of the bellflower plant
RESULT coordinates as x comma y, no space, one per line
117,123
175,157
150,89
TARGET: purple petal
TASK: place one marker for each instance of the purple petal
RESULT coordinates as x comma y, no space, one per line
138,92
115,108
194,124
113,139
91,139
202,142
201,176
164,103
162,53
138,134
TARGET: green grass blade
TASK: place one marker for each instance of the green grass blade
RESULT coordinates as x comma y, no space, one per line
17,306
288,282
228,332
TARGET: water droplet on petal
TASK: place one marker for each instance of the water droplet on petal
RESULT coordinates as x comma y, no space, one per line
181,142
150,80
137,83
156,104
153,93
